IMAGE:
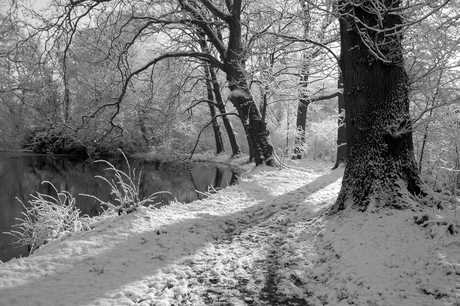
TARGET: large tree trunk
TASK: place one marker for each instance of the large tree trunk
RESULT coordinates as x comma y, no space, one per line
255,127
342,150
241,97
381,166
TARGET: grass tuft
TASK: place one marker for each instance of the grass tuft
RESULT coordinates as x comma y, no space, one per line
125,188
46,218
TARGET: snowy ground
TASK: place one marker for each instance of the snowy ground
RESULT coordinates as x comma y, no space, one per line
264,241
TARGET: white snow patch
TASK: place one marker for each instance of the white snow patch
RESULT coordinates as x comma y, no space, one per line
264,241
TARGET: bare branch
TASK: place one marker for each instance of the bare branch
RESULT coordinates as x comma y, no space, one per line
215,10
427,109
207,124
117,103
77,2
320,98
229,4
204,25
296,39
197,102
199,55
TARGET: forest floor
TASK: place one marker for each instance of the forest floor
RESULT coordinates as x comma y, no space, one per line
264,241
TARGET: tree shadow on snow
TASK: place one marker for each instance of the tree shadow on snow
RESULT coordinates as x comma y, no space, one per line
145,253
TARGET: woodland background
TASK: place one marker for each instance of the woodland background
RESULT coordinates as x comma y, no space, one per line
67,82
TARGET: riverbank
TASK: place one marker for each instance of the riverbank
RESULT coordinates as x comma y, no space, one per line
264,241
240,161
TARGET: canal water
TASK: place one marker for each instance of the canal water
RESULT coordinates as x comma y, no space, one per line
22,174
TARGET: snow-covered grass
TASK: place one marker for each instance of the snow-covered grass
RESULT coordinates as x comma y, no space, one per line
125,189
46,217
265,241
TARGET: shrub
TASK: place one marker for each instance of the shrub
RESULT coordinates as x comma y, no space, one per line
47,217
53,141
125,188
322,139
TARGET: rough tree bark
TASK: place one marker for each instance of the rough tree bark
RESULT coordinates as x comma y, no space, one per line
381,167
241,96
257,133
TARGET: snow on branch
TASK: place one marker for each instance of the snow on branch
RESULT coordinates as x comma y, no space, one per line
297,39
378,36
117,103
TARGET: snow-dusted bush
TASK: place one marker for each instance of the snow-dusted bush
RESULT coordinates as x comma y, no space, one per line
322,139
47,217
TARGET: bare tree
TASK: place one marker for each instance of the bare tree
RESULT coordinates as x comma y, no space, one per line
220,22
210,95
310,58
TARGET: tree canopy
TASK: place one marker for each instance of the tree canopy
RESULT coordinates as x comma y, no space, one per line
154,75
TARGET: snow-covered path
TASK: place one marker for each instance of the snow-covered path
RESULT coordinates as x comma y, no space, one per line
261,242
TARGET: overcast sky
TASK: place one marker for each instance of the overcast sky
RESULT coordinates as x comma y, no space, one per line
39,4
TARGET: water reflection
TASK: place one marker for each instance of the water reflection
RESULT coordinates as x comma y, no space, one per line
21,175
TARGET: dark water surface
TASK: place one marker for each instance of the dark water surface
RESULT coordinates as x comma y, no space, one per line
22,174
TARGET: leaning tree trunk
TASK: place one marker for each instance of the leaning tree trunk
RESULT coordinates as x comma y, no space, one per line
209,91
212,110
241,97
255,127
381,166
221,106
